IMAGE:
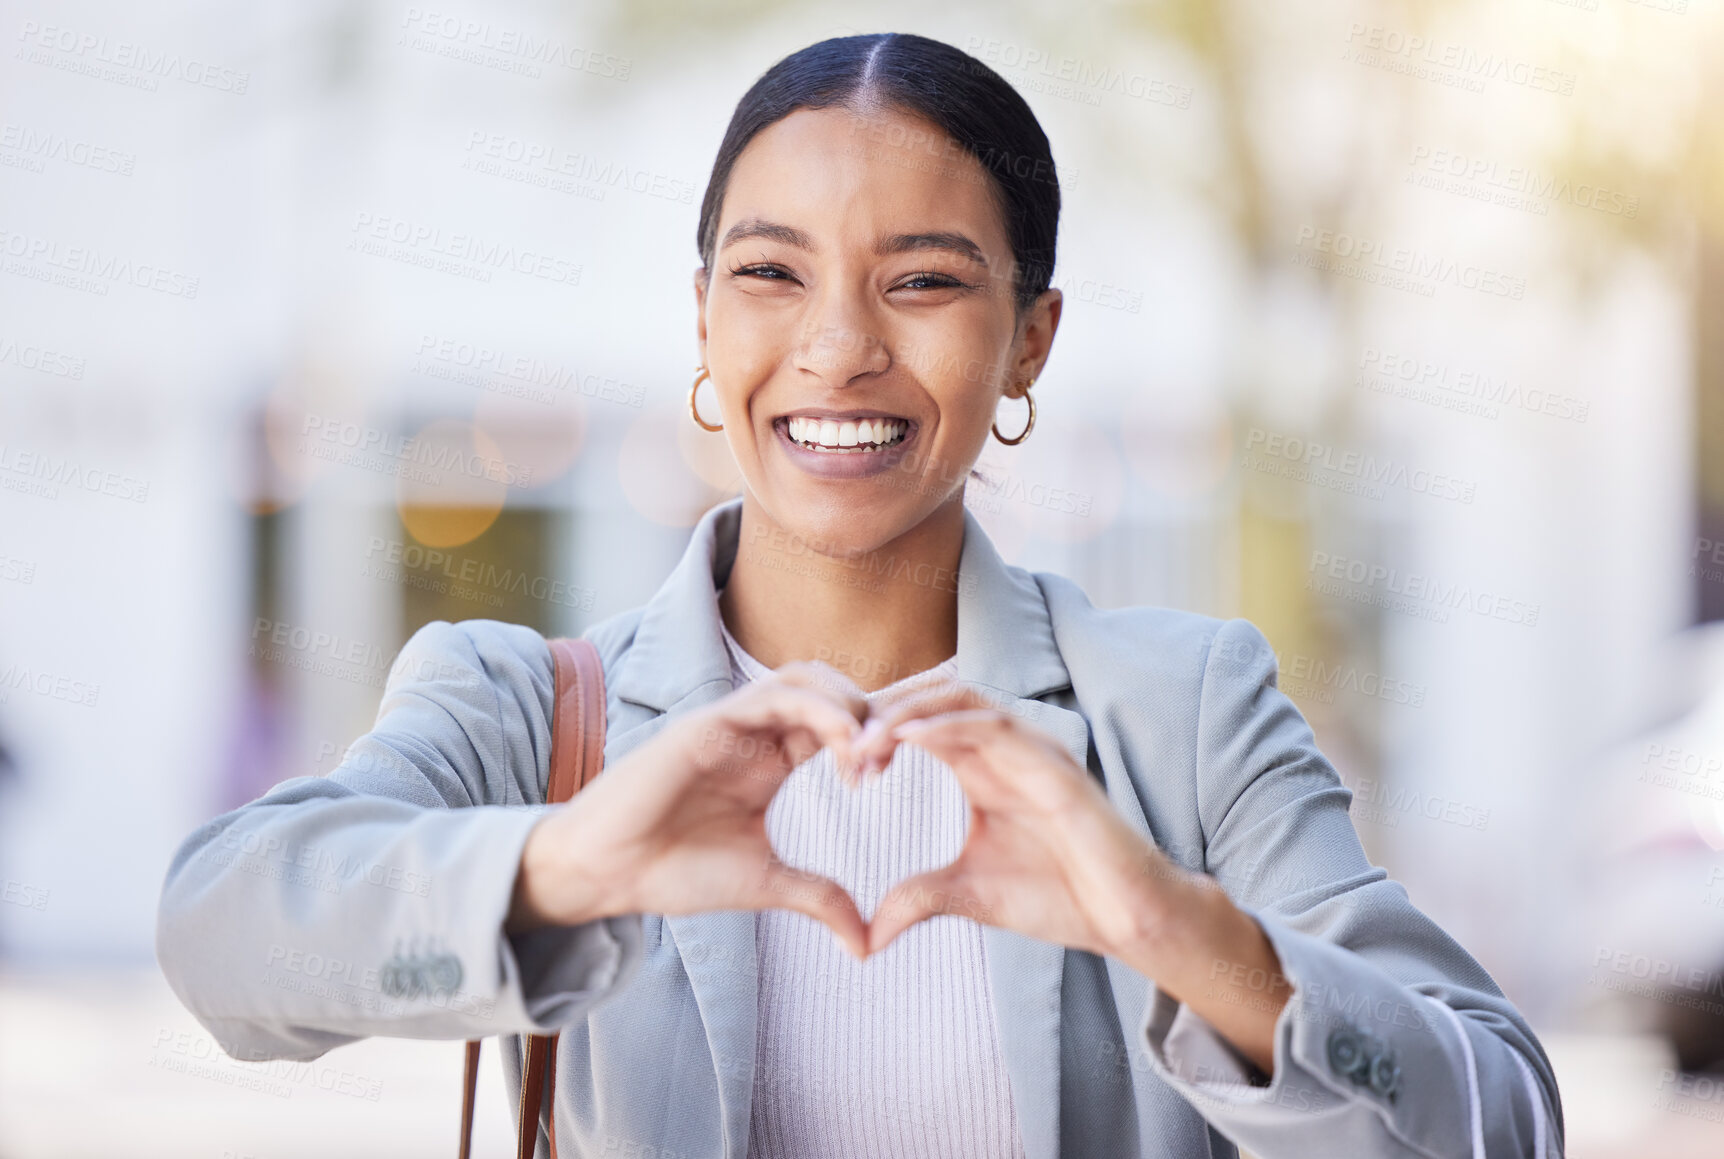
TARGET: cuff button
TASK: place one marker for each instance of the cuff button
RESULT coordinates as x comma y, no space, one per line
1385,1076
1347,1054
445,973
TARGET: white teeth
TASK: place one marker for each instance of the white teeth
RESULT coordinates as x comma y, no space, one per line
865,434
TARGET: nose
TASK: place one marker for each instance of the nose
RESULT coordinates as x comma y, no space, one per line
841,341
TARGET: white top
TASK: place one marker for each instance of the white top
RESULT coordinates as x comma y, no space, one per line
896,1057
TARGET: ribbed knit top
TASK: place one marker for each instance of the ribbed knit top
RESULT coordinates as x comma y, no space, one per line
893,1058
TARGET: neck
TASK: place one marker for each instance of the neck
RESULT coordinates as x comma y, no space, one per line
876,617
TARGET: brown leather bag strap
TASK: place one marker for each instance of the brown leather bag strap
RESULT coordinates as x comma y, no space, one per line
578,732
577,755
534,1073
469,1088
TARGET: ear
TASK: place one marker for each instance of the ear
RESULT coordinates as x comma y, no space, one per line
1036,337
700,283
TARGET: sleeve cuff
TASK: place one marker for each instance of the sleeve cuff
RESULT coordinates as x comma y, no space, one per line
529,983
564,970
1349,1045
1190,1056
1192,1048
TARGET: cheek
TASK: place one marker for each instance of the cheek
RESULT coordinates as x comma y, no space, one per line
744,344
961,369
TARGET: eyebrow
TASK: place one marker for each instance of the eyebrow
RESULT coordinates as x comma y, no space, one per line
770,230
939,240
900,243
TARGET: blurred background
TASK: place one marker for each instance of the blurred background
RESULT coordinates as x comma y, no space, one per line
1396,327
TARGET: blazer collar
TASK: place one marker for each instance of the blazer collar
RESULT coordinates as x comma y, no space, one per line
1005,636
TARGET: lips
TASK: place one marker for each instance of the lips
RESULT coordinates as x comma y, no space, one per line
844,444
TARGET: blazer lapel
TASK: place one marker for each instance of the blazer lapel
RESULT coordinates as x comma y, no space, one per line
678,662
1006,647
1026,975
718,953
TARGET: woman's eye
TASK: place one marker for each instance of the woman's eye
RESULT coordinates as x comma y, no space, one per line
931,281
770,272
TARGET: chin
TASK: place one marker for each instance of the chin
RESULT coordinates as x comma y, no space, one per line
835,527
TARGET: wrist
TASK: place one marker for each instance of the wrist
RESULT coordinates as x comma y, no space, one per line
1168,912
1185,923
1217,960
550,887
526,908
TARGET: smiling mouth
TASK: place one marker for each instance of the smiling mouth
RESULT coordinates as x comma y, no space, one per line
867,434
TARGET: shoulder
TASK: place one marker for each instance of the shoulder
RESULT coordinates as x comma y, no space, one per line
493,667
492,649
1165,647
485,676
1187,707
614,635
501,652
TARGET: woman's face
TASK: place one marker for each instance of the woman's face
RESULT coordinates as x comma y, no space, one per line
862,295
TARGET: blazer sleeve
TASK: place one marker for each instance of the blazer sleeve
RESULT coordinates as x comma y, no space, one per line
1395,1042
372,900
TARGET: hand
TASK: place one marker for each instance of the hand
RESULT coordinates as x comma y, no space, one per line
679,825
1048,856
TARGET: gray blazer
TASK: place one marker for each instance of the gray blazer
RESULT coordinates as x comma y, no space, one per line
372,900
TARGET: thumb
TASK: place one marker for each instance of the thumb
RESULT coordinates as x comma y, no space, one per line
939,891
800,891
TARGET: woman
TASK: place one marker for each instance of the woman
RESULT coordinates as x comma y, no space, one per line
1089,888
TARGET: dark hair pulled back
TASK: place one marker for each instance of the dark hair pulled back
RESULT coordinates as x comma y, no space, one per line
969,101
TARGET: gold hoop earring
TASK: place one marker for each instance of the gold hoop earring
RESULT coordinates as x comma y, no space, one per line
701,375
1028,427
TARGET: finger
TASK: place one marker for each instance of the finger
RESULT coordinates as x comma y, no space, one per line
916,899
975,723
819,674
935,696
799,745
999,762
953,746
822,677
821,898
779,709
969,727
873,746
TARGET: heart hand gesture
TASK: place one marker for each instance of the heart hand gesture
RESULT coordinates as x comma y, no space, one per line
679,826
